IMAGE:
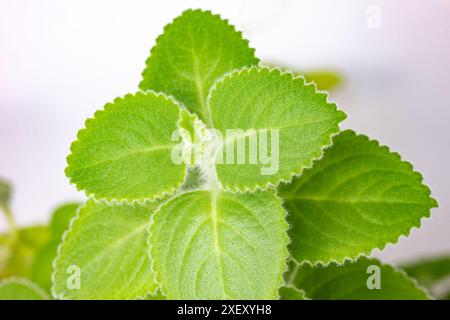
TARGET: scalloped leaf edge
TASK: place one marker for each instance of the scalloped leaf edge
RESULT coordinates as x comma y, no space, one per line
169,25
327,136
286,253
395,240
389,266
60,296
81,132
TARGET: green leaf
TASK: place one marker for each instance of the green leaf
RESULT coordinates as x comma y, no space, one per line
220,245
5,194
291,293
359,197
195,49
21,289
260,98
42,266
20,254
124,153
352,281
432,273
61,219
105,254
429,271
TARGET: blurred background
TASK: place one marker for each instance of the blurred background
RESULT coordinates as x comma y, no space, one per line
62,60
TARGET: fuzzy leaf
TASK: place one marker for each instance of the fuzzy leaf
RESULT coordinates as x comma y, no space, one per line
261,98
209,245
195,49
61,219
106,252
124,153
21,289
359,197
42,266
352,281
429,271
433,274
291,293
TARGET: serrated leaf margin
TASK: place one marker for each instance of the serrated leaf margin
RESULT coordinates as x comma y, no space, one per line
382,264
70,229
285,234
327,142
159,196
380,247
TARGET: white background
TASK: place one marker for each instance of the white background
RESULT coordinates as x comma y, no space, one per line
62,60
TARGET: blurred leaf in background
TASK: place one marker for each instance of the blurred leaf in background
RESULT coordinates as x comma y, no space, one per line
7,239
28,252
22,250
432,273
5,194
324,80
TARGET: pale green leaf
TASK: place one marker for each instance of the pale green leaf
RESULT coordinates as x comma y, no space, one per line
355,280
359,197
21,289
220,245
259,98
42,266
124,153
61,219
20,254
105,254
195,49
291,293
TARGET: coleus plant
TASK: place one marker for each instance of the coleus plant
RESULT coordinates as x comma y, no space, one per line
293,224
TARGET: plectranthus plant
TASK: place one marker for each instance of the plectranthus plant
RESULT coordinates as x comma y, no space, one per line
222,178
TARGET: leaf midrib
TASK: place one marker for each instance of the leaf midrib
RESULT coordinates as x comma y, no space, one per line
217,250
133,153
